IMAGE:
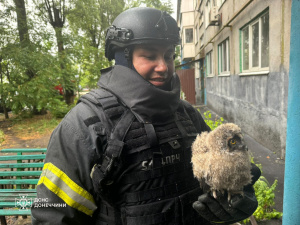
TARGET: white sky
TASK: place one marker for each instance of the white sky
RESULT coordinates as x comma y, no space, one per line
174,2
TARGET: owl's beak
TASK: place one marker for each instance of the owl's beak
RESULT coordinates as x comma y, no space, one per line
243,147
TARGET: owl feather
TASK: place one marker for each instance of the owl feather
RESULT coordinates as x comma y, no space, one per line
221,161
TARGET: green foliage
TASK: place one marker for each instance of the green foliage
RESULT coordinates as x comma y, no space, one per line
59,108
177,61
29,72
182,95
1,137
21,92
265,195
158,4
210,122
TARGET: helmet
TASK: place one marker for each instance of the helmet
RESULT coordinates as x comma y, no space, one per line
140,25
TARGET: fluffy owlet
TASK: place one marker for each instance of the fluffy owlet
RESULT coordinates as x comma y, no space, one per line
221,160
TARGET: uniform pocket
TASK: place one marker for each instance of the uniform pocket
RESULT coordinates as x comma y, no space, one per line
161,212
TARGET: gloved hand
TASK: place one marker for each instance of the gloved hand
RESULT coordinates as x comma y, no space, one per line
221,210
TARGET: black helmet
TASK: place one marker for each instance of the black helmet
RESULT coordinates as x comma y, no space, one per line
140,25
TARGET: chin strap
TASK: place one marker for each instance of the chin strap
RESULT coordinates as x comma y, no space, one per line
128,56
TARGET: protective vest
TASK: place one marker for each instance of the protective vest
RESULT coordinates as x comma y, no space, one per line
144,171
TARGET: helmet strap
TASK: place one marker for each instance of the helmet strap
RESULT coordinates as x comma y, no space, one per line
128,56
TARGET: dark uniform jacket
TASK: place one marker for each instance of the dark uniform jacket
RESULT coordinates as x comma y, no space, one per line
153,181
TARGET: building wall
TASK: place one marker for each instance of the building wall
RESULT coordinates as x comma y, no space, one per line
187,21
258,103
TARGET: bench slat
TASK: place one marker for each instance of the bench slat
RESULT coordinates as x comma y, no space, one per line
17,150
17,190
17,197
19,181
14,212
21,157
16,194
20,173
21,165
11,204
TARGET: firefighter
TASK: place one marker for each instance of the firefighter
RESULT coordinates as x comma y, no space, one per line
122,155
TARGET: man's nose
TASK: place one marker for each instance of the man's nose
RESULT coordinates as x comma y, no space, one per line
161,65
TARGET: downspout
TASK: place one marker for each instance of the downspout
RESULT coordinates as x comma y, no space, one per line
291,198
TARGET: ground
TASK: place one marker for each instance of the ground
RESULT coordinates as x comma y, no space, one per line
24,138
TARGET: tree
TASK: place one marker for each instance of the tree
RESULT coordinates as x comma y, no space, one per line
158,4
21,89
34,59
88,22
22,22
55,12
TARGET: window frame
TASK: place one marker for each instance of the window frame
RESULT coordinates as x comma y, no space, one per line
249,26
209,64
221,70
185,35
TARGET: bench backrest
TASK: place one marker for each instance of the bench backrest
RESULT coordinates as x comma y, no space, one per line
21,168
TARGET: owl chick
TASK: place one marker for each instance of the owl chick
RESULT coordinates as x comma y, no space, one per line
221,160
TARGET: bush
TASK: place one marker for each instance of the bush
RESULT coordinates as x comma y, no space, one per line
213,124
265,195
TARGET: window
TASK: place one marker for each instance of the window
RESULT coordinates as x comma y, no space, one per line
223,57
208,7
209,67
255,44
189,35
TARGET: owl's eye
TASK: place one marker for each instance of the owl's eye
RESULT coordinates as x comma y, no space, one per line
232,141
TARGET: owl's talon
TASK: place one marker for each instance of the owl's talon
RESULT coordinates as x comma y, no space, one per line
229,197
215,194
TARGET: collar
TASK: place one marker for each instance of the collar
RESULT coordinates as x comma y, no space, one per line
147,102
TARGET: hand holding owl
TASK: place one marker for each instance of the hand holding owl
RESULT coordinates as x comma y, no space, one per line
222,165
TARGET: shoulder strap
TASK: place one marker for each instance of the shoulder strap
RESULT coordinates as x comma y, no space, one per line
103,172
99,100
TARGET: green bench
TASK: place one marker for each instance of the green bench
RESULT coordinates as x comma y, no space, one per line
19,173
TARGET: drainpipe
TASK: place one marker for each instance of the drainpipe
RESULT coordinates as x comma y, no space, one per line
291,198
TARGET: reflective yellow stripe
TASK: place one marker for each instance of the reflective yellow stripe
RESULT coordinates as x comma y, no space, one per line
60,184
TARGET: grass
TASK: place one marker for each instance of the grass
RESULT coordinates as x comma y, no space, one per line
33,127
2,137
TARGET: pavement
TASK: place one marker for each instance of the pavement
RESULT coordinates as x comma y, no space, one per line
272,168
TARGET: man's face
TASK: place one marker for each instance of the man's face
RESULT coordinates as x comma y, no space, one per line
155,63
